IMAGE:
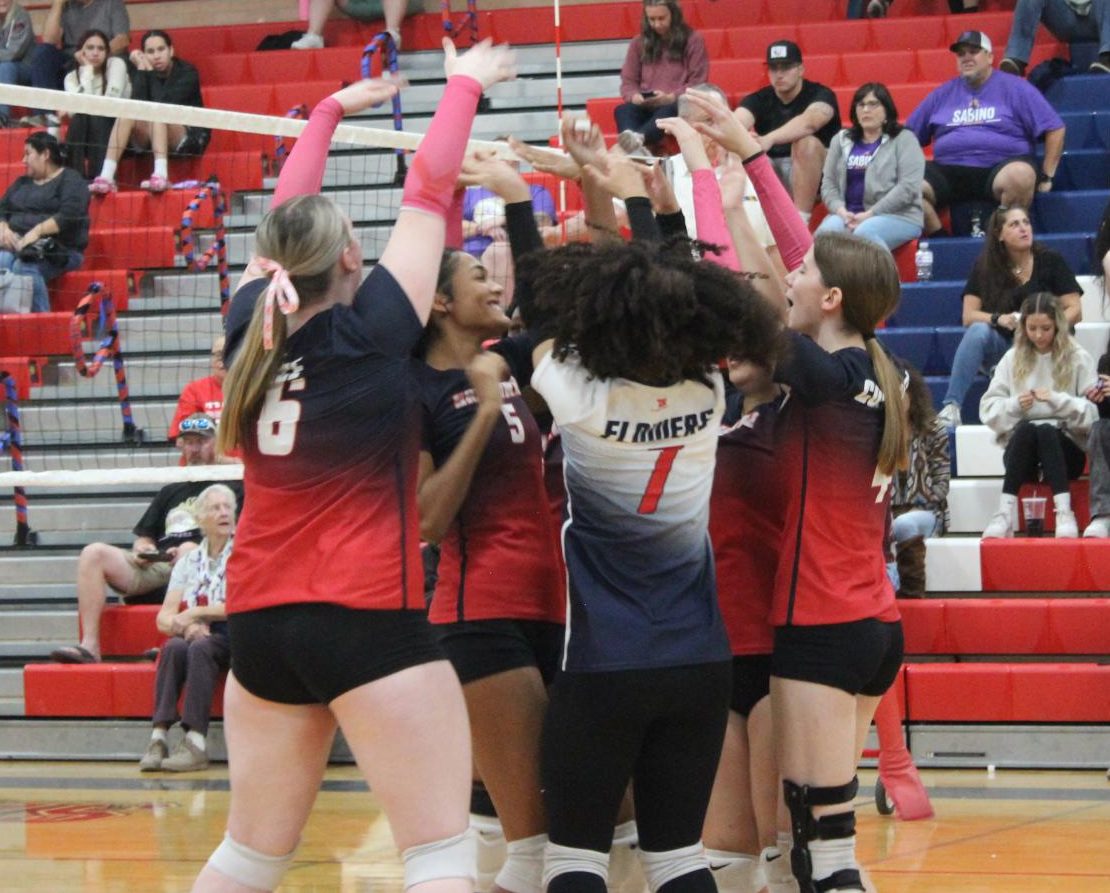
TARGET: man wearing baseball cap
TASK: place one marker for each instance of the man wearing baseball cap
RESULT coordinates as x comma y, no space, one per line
984,126
1068,20
794,120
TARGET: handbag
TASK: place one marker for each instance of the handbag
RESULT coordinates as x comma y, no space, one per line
45,250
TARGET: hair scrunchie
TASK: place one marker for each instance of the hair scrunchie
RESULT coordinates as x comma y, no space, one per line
279,292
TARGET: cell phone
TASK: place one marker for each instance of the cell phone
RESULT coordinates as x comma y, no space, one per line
155,556
647,94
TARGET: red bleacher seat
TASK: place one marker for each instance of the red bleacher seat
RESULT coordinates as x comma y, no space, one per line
716,42
937,64
833,37
793,10
998,626
892,67
752,43
1061,693
600,111
1080,625
823,69
128,630
289,96
1045,565
907,34
257,99
611,21
280,66
1080,492
24,372
336,63
741,76
924,626
995,25
68,289
130,247
244,38
129,207
528,25
221,68
34,334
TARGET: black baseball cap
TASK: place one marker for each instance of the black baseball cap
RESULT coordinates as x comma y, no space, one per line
784,52
976,39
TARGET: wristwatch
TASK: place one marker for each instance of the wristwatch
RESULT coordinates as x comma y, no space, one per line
994,319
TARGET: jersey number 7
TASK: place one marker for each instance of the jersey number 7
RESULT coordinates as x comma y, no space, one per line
649,502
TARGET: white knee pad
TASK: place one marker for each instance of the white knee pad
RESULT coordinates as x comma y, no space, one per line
491,849
625,874
735,872
565,859
660,868
249,867
451,857
523,868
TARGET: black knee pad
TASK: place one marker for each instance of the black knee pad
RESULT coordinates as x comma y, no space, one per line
800,799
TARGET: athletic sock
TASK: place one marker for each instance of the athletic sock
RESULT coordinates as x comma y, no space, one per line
108,169
197,740
161,168
158,734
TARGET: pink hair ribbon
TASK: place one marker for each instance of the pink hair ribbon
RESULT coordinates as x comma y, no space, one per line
280,291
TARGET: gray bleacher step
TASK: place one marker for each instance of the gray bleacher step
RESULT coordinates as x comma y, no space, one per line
11,683
99,422
525,125
145,375
101,518
39,457
534,59
358,204
371,237
34,650
164,334
76,539
27,628
182,291
61,593
12,707
30,567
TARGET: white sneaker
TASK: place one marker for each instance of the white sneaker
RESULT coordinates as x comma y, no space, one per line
1099,528
1066,528
308,41
999,527
950,415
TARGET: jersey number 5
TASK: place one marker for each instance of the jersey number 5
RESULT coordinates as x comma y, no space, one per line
277,423
649,502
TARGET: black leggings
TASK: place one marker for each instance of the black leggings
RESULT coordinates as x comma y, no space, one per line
661,728
1044,446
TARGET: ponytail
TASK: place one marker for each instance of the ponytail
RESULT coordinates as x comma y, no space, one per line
894,449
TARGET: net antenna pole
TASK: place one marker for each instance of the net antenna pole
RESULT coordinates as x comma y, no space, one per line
11,442
95,317
218,248
562,197
384,44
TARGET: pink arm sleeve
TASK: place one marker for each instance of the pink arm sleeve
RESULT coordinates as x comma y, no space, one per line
709,214
430,184
303,173
791,234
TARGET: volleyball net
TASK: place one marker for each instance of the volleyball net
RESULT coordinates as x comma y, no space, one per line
91,387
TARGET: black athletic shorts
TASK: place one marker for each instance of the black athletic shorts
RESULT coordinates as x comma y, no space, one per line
313,653
861,658
751,681
481,648
958,183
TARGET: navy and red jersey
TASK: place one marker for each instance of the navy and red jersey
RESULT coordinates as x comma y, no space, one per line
831,567
331,462
498,559
746,512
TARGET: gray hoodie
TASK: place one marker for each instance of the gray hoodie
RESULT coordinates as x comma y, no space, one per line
16,36
892,183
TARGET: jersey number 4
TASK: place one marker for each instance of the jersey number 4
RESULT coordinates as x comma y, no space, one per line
277,423
649,502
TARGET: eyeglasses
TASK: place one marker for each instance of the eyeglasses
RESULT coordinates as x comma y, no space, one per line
869,104
199,425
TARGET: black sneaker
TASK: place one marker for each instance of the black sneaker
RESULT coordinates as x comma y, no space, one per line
1012,66
1101,65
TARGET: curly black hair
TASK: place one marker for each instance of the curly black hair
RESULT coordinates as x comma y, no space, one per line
649,312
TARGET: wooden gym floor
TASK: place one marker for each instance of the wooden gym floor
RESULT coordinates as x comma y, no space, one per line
104,827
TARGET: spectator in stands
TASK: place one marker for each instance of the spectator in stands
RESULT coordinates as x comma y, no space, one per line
17,36
666,58
87,136
1011,267
66,22
393,11
919,493
1037,407
203,394
197,651
1098,451
44,218
159,77
795,120
877,9
983,126
1068,20
873,173
140,575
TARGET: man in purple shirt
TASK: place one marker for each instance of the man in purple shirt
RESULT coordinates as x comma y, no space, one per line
984,125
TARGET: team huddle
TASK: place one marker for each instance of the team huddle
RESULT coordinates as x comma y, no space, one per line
643,570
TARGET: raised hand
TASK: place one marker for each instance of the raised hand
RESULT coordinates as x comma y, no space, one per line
367,93
486,63
548,161
723,127
486,372
484,168
689,141
583,140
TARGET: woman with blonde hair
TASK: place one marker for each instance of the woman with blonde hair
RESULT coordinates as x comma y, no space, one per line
325,586
1037,407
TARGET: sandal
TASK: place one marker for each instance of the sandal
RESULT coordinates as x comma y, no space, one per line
74,654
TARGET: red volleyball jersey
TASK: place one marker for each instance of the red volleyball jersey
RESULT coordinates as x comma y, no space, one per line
331,461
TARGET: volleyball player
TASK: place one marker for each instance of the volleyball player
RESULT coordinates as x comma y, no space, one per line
325,597
838,638
628,337
498,604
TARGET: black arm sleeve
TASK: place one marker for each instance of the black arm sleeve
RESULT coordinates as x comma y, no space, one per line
524,238
671,225
641,219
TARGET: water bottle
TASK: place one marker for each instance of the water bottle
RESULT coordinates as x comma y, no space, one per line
977,226
923,260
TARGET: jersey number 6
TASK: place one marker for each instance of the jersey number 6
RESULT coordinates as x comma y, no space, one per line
277,423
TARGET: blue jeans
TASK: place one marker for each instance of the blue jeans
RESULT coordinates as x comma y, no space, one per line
883,229
642,120
13,73
1061,20
46,67
40,274
916,522
981,348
